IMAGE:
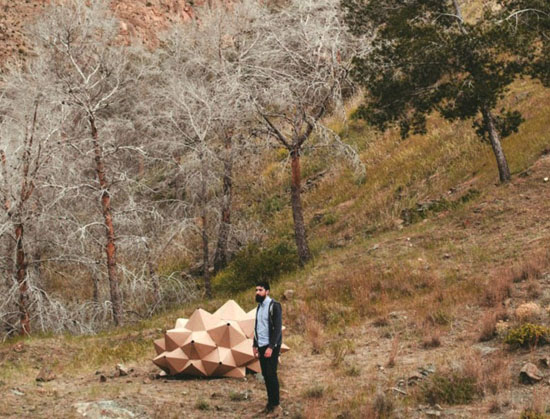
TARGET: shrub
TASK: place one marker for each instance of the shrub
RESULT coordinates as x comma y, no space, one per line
532,414
528,335
432,339
534,288
329,219
383,406
451,388
254,263
315,334
489,324
316,391
202,405
339,349
439,317
238,396
353,371
498,290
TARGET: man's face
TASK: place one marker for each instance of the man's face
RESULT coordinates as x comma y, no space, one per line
261,292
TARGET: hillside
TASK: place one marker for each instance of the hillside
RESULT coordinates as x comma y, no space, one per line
140,18
420,268
418,295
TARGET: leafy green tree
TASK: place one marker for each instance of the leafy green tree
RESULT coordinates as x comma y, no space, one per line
532,20
426,57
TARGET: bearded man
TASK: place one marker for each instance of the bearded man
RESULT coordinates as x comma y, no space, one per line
267,344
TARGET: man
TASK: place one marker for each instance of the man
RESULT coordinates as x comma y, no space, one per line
267,344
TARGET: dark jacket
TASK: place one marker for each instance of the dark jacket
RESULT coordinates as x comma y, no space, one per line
275,325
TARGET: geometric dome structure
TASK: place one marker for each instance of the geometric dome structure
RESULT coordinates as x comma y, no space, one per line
210,345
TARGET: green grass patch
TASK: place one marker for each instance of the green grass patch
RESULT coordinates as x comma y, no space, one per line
450,388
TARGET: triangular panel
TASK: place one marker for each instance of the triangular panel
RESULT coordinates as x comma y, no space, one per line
175,338
201,320
227,334
230,311
254,366
239,372
247,323
243,352
180,323
176,360
160,361
198,345
160,345
194,367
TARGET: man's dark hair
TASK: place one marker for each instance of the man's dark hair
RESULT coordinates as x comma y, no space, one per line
263,284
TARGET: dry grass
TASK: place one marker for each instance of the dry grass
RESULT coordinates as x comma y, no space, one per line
431,339
315,335
381,407
472,379
491,374
532,267
498,289
393,352
488,323
533,288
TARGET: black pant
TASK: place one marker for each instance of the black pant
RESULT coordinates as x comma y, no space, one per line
269,371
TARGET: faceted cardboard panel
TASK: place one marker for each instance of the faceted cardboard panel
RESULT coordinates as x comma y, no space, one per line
218,344
239,372
254,366
230,311
247,323
243,353
194,367
227,334
160,346
180,323
201,320
198,345
175,338
160,361
176,360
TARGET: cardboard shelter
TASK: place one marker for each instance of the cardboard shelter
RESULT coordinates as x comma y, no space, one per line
210,345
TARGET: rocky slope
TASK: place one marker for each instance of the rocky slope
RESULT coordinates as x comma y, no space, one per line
139,18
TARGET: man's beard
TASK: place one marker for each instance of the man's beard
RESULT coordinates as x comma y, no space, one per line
259,298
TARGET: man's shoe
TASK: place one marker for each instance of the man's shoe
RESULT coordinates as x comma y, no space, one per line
276,411
267,409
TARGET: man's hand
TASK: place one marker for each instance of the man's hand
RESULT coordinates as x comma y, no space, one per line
268,352
256,353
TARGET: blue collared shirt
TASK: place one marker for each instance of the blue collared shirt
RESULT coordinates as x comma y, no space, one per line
262,322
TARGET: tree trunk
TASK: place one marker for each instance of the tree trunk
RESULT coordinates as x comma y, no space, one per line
220,257
21,274
95,283
9,262
110,248
494,137
204,232
297,213
152,275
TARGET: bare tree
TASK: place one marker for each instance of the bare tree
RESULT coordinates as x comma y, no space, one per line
301,71
208,107
30,129
91,70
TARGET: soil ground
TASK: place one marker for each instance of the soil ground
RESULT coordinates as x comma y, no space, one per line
318,381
